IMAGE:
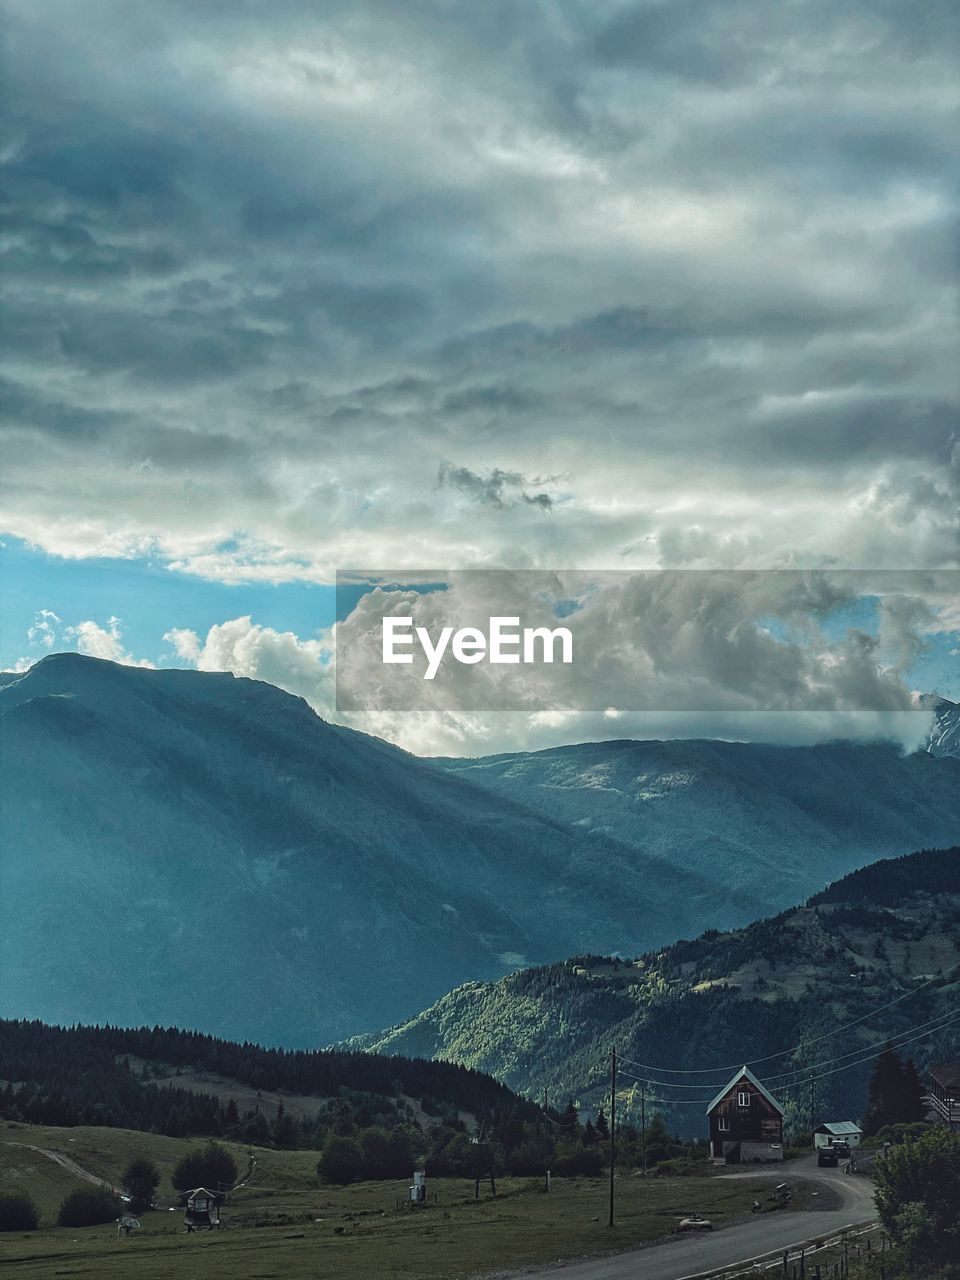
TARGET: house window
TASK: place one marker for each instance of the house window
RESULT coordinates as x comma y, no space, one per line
723,1124
743,1099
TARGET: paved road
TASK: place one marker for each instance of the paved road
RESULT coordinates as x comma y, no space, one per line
689,1255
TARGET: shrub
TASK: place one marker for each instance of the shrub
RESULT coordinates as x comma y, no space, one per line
18,1213
387,1154
207,1166
894,1134
88,1206
341,1161
918,1190
679,1167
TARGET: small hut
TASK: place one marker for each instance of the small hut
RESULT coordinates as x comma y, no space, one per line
202,1211
833,1131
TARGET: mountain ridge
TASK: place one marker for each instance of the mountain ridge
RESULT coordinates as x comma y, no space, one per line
212,822
197,847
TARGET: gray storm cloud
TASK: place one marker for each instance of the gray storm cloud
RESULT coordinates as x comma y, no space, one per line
273,269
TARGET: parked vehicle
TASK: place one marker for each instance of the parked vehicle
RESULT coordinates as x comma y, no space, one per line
827,1158
695,1223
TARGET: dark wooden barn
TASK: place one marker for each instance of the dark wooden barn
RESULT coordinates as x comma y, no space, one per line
746,1121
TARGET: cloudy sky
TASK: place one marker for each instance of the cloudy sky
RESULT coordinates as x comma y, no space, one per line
297,287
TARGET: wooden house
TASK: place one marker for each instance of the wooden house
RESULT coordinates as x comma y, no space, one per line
202,1210
746,1121
945,1093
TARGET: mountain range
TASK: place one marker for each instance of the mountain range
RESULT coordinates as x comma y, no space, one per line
199,849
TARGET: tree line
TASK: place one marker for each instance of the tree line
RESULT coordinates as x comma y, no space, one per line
83,1075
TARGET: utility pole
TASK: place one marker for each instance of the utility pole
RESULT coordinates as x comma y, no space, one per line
613,1125
643,1128
546,1142
812,1125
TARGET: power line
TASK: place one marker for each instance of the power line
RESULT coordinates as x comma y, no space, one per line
799,1071
708,1071
673,1102
564,1124
808,1079
922,1036
826,1062
668,1084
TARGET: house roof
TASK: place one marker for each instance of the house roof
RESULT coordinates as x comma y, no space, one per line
838,1127
947,1075
745,1074
201,1191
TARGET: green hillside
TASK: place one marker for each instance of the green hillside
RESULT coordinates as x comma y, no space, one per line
183,1083
785,983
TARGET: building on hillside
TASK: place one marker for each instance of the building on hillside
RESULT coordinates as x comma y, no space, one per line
945,1093
833,1131
746,1121
202,1210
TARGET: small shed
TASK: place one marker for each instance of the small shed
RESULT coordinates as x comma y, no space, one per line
831,1131
202,1210
746,1121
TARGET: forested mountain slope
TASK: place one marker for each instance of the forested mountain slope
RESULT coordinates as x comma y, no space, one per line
888,935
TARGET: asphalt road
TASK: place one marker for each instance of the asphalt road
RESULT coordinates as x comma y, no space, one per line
689,1255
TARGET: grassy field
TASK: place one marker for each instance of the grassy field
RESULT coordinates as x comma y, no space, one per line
282,1224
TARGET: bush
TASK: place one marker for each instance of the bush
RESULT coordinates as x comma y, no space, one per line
88,1206
18,1213
387,1154
208,1166
894,1134
679,1167
918,1190
341,1161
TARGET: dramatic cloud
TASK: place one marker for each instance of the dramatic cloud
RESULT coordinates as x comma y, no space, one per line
301,286
87,637
736,654
281,658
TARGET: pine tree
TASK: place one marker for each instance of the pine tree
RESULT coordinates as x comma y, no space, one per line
887,1092
571,1118
914,1104
140,1182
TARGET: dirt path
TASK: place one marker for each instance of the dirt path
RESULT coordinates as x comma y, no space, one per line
68,1164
